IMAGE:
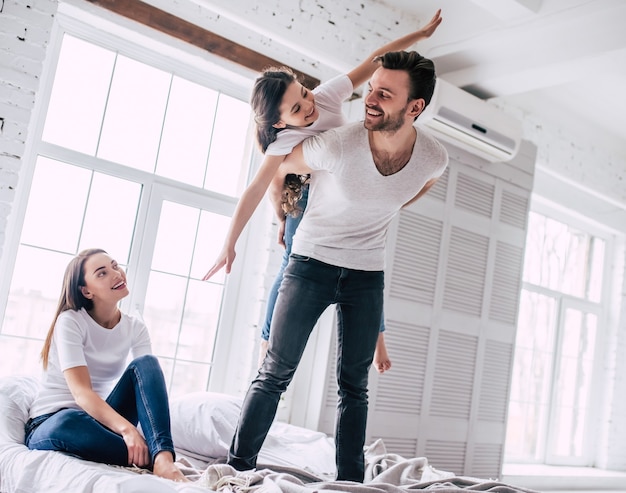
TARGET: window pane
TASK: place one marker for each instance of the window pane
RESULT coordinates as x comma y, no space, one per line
207,249
56,205
598,250
163,310
34,292
187,132
189,377
525,430
110,216
532,374
79,92
558,257
574,381
230,147
20,356
134,114
202,310
175,238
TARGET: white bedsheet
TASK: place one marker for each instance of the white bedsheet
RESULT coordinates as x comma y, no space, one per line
33,471
292,460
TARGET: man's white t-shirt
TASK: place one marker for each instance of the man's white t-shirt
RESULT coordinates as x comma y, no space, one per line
79,341
329,98
350,203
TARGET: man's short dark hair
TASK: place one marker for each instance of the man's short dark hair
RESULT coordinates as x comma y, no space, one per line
421,72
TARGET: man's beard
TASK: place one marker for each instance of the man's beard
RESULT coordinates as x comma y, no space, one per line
391,123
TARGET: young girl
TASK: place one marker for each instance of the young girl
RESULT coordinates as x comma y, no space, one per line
90,401
286,113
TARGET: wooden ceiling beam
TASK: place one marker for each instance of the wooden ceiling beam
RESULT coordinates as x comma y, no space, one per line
167,23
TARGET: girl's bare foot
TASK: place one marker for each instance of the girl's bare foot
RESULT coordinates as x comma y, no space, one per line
164,467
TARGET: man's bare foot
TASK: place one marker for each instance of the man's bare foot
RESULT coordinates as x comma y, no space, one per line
382,363
164,467
263,350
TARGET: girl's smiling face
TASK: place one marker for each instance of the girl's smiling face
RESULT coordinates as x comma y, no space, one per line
297,108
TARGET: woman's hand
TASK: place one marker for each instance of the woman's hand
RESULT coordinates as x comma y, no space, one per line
138,453
225,258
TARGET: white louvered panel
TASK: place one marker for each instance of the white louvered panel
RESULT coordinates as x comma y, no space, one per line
494,386
404,447
416,258
474,195
506,283
401,390
465,272
446,456
486,461
454,375
513,209
440,188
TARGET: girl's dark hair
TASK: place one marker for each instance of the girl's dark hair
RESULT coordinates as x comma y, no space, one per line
292,193
71,297
267,94
421,72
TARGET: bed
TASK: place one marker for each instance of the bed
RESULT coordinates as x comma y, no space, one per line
293,459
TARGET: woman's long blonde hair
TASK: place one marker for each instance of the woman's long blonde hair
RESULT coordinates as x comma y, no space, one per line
71,297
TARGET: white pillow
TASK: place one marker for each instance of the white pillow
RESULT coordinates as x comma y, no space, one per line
203,423
16,396
203,426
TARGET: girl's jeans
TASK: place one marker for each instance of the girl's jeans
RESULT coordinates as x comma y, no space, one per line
308,287
140,396
291,225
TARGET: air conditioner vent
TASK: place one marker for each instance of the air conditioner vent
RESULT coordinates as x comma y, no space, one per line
458,117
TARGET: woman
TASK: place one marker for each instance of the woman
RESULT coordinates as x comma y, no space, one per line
91,400
286,113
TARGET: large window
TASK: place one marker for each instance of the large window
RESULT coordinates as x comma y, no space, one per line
551,413
146,164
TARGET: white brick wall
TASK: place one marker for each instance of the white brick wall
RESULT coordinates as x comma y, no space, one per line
25,27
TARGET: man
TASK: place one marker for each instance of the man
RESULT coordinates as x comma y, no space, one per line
361,175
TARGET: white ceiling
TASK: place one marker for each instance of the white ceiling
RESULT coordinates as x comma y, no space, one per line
562,60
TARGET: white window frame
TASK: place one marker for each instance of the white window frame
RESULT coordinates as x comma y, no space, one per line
606,326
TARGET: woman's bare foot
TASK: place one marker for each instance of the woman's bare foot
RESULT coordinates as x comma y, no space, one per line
382,363
164,467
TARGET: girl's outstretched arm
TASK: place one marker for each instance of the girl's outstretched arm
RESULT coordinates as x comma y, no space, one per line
360,74
245,208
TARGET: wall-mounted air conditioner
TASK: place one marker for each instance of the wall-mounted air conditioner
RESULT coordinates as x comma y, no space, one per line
468,122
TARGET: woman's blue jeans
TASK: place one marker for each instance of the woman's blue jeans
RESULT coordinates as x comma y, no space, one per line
140,396
308,288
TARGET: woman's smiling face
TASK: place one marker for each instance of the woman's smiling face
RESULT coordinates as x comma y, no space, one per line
105,280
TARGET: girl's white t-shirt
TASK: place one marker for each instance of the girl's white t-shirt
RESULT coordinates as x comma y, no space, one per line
329,98
79,341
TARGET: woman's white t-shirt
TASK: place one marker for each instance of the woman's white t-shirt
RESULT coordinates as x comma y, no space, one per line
79,341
